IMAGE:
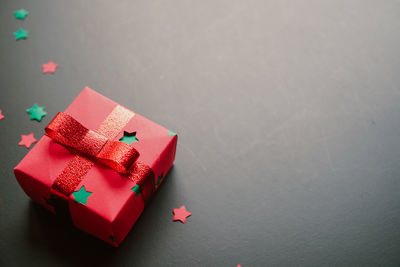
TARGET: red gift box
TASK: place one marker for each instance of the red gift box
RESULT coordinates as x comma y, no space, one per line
99,198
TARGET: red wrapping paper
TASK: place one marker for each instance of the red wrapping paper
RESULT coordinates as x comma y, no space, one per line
112,208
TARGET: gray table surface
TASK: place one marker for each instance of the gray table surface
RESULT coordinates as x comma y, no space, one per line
288,115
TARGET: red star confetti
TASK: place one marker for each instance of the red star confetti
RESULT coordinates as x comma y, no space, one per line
1,115
27,140
181,214
49,67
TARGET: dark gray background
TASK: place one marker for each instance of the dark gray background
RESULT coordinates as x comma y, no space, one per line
287,114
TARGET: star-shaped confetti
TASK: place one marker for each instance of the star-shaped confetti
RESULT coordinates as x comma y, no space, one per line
81,195
1,115
159,178
171,133
27,140
137,190
181,214
129,138
21,34
36,112
21,14
49,67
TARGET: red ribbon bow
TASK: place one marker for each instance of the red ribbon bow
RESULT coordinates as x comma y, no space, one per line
97,148
115,154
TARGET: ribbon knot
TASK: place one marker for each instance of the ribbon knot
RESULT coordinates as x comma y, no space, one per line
69,132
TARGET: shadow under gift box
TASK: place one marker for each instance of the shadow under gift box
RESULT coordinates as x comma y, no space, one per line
114,205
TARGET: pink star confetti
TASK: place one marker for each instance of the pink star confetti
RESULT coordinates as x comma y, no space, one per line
1,115
49,67
27,140
181,214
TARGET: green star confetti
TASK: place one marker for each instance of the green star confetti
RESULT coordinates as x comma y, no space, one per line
159,178
82,195
36,112
137,190
21,14
171,133
129,138
21,34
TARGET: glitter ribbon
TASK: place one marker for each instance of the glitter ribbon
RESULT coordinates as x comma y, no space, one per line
97,146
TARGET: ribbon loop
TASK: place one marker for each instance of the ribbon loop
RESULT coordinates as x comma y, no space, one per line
66,130
118,155
115,154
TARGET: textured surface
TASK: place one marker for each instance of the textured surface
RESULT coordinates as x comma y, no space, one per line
287,114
